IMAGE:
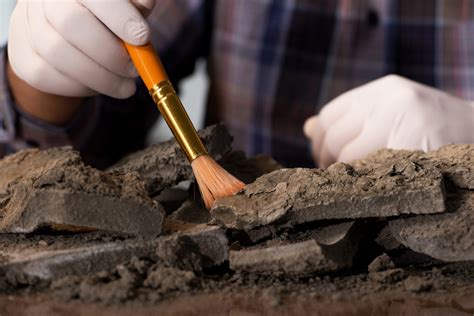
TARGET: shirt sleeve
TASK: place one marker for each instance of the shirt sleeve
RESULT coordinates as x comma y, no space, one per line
106,129
103,130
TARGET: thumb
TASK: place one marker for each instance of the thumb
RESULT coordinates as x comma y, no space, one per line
309,126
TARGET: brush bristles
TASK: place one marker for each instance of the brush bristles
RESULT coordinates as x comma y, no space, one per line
214,181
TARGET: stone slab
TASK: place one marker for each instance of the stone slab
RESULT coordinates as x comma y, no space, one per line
447,237
296,196
455,162
30,266
330,248
196,248
23,261
54,188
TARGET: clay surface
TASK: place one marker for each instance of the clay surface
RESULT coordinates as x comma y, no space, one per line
455,162
295,196
447,237
163,165
53,188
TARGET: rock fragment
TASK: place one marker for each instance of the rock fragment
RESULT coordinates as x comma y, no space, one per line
295,196
386,240
448,236
163,165
53,188
455,162
333,248
30,265
416,284
24,262
381,263
297,259
197,248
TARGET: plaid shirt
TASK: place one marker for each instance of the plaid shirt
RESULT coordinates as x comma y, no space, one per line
272,64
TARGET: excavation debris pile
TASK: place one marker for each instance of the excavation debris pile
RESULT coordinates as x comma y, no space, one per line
390,222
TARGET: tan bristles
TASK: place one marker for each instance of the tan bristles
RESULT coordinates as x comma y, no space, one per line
214,181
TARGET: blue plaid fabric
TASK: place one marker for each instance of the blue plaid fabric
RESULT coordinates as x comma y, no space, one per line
274,63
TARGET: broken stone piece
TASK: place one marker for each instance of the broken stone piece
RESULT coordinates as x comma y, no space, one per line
296,196
297,259
53,188
333,248
163,165
386,240
30,265
24,262
455,162
381,263
196,248
448,236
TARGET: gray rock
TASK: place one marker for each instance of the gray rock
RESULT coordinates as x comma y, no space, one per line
163,165
197,248
381,263
53,188
447,237
30,265
23,262
455,162
386,240
333,248
295,196
297,259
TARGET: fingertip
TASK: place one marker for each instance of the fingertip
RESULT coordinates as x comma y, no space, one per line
309,126
137,32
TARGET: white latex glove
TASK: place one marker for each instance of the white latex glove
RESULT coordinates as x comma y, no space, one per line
391,112
73,48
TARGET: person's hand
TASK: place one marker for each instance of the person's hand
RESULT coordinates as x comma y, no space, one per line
72,47
391,112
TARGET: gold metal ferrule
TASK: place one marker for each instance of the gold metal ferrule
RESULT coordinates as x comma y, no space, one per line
177,119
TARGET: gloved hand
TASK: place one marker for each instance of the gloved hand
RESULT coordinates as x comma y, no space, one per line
391,112
73,48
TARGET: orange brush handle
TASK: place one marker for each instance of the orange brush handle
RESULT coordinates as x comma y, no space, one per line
151,71
148,64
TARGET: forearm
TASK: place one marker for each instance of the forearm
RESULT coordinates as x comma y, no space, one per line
52,109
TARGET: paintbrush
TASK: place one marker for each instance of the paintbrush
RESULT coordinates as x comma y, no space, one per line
213,180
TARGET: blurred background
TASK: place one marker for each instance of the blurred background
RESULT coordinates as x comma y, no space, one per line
193,90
